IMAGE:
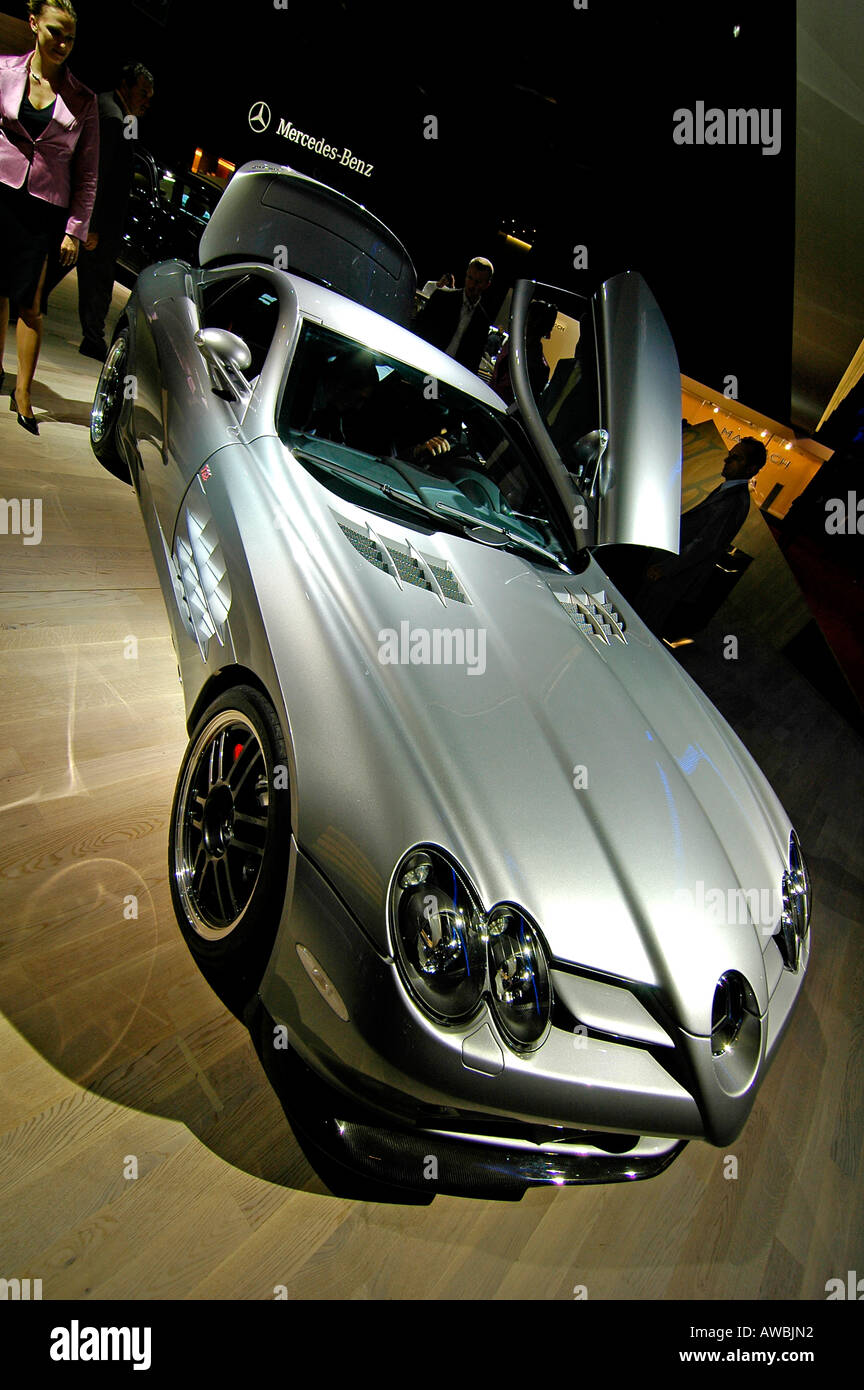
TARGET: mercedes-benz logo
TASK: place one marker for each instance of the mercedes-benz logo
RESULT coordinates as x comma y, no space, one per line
259,116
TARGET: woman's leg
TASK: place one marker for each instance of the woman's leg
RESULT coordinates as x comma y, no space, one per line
29,341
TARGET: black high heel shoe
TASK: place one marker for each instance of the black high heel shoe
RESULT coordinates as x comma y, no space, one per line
28,422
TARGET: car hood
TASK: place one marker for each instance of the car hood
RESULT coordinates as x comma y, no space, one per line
582,776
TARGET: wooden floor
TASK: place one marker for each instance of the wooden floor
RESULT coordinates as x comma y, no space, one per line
114,1052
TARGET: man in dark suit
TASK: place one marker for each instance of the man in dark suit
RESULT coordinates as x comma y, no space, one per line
455,320
118,115
707,531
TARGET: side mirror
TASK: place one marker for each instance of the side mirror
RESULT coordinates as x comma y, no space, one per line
585,459
223,349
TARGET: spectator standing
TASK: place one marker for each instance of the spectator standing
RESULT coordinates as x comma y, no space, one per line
49,157
542,318
707,530
119,112
455,320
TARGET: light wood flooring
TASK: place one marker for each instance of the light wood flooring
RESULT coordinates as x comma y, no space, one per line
113,1049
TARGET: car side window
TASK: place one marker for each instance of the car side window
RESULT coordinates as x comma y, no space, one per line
245,305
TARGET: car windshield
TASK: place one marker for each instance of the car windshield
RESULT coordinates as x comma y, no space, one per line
381,434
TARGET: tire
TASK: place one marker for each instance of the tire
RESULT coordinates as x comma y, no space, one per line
107,405
229,841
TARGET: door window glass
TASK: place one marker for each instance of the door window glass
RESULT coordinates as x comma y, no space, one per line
245,305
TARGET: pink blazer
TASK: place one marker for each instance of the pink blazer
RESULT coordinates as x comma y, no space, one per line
64,160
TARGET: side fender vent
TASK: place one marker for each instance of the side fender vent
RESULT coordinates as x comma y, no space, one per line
199,561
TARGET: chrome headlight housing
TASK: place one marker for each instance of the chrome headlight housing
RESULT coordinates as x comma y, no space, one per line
795,918
519,976
736,1033
451,954
437,925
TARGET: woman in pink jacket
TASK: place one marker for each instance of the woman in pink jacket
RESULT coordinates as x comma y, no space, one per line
49,160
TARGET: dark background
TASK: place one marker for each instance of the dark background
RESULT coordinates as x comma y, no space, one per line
557,118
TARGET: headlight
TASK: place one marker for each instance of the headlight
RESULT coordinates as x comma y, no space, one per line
799,881
439,936
796,906
518,976
727,1012
450,953
736,1033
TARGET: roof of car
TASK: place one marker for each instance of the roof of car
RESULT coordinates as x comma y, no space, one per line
381,334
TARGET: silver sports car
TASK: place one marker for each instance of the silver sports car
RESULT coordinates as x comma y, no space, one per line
491,881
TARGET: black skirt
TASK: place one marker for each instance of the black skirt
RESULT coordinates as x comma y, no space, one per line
30,229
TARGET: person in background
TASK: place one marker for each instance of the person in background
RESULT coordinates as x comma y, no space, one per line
541,321
446,282
707,530
119,112
455,320
49,157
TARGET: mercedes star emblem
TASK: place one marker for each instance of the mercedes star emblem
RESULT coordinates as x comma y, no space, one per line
259,116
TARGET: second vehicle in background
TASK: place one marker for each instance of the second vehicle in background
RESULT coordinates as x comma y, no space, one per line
167,213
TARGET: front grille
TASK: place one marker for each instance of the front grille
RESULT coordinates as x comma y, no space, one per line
658,1041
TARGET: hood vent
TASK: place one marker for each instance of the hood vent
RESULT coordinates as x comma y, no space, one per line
409,567
405,564
371,549
593,614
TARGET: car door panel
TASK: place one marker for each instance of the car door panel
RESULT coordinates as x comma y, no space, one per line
609,421
180,420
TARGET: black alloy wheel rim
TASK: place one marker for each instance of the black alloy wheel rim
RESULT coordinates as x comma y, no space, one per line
222,824
108,391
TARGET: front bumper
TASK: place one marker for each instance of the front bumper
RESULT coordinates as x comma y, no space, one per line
349,1144
584,1108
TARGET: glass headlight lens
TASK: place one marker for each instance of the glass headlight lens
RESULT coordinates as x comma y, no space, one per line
518,976
439,939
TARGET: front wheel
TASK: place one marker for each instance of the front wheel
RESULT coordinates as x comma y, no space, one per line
107,405
229,841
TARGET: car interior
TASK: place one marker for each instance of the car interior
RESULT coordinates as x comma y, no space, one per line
379,419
